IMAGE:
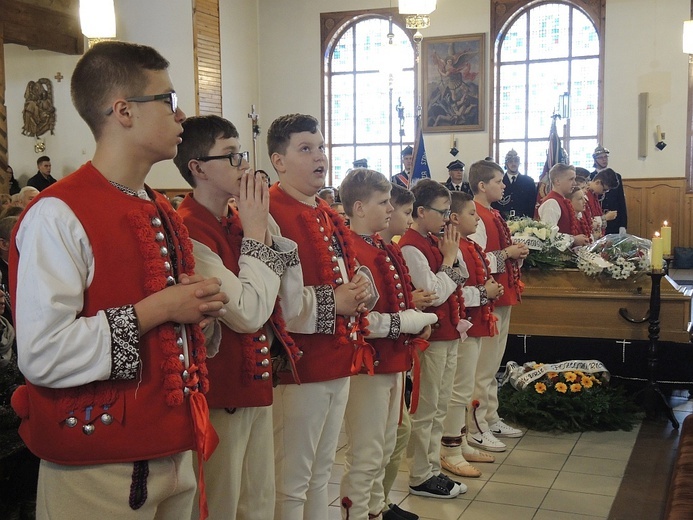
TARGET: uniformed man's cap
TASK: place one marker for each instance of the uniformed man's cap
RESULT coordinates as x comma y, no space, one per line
600,150
408,151
456,165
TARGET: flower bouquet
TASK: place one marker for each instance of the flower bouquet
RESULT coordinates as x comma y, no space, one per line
570,396
615,256
548,249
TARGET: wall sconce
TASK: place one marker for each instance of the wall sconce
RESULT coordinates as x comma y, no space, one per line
688,39
97,19
417,12
564,106
660,144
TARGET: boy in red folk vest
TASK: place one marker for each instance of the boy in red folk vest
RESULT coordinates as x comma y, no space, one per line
435,265
108,310
237,248
375,401
604,181
480,291
556,208
326,320
484,426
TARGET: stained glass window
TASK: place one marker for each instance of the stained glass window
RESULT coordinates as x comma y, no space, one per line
546,51
361,117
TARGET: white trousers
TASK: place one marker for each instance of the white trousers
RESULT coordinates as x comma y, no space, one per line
240,473
307,422
392,468
486,386
102,491
463,387
438,363
371,418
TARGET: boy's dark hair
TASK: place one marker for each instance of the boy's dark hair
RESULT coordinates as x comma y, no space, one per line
426,192
283,127
582,172
43,158
11,211
608,177
6,225
361,184
200,133
458,200
482,171
400,196
110,69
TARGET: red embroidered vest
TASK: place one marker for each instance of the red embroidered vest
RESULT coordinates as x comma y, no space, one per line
483,323
118,420
452,310
241,373
568,221
394,287
325,356
497,238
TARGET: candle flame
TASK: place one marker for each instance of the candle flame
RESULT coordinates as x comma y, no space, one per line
666,223
656,234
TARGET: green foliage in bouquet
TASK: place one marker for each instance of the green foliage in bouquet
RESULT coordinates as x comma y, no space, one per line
548,249
569,402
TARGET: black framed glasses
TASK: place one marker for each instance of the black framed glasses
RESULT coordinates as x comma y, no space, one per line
235,158
170,97
445,213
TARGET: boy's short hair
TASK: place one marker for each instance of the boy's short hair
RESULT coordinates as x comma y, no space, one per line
107,69
281,129
458,200
482,171
426,191
200,133
582,172
43,158
6,226
400,196
361,184
608,177
559,170
325,191
574,190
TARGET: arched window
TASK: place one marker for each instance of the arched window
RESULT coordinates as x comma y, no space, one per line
542,51
360,116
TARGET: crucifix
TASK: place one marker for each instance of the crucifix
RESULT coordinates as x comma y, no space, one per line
59,77
524,342
253,116
623,344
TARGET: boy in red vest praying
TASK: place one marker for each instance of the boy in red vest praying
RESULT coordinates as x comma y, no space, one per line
484,426
327,323
556,208
108,310
253,264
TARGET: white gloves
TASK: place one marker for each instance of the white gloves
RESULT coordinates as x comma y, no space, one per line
413,321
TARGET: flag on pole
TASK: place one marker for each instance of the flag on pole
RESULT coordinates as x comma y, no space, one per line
420,169
554,155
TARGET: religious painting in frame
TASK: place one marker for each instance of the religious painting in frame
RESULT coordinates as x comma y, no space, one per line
454,87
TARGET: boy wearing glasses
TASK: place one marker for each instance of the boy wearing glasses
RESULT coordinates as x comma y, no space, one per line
109,310
435,264
327,326
236,247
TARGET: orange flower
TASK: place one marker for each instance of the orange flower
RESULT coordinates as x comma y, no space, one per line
586,382
570,376
552,375
540,388
537,365
560,387
575,387
579,373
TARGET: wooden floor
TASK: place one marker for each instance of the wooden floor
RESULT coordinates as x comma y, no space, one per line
643,490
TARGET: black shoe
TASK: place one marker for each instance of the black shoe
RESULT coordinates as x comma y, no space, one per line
401,513
453,486
433,488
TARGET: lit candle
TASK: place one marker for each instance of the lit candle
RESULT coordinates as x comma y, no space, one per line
656,252
666,239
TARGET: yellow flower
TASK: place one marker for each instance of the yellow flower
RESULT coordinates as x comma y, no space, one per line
570,376
537,365
560,387
579,373
586,382
552,375
575,387
540,388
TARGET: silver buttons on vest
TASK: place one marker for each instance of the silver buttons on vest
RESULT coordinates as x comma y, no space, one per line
159,237
106,418
264,351
71,422
265,376
156,222
88,429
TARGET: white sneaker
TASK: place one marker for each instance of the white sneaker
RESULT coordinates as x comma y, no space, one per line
486,441
500,429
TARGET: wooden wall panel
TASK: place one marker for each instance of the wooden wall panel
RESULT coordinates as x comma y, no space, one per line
207,55
651,201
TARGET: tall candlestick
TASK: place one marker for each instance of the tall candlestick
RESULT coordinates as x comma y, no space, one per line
656,253
666,238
